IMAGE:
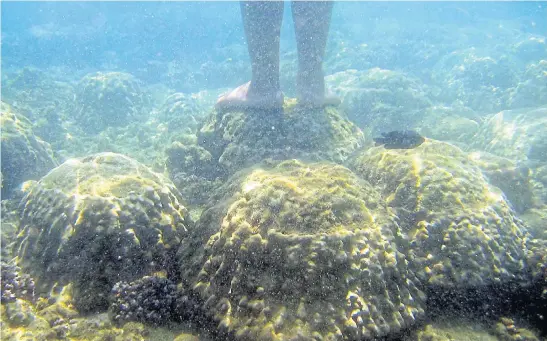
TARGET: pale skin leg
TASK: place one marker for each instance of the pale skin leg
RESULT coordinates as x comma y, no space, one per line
262,23
311,26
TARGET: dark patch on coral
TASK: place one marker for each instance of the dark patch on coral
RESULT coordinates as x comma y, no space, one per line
15,284
150,299
490,303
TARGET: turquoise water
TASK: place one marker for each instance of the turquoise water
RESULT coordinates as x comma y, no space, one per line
128,35
124,189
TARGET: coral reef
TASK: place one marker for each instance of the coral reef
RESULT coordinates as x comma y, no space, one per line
300,250
519,135
381,99
513,178
460,229
56,324
44,96
106,99
389,246
55,318
8,227
151,299
146,139
452,331
15,284
236,139
507,331
530,48
191,158
515,134
455,124
19,313
193,171
143,141
187,337
97,221
24,155
480,80
35,92
183,112
531,91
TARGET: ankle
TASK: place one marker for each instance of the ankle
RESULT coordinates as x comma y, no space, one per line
264,84
311,87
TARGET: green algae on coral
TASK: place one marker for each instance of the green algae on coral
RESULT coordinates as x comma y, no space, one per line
193,171
237,140
513,178
506,330
300,249
460,229
96,221
106,99
452,330
515,134
24,155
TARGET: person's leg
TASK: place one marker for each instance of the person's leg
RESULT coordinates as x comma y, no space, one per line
311,25
262,24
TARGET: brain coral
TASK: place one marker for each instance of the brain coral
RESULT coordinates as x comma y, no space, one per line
461,230
303,251
24,156
237,140
109,99
96,221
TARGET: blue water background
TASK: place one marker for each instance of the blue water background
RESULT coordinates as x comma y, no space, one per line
136,37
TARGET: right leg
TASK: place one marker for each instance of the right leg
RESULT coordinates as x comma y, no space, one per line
262,24
311,24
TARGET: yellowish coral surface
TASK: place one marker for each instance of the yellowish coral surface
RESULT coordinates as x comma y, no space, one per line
301,249
460,229
96,221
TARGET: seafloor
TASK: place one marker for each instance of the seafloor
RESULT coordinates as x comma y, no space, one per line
134,211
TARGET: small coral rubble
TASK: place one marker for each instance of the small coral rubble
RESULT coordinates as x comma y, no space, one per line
15,284
151,299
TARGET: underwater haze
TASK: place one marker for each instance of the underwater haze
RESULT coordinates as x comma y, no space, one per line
383,176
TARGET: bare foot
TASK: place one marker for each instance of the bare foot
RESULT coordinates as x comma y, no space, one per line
243,97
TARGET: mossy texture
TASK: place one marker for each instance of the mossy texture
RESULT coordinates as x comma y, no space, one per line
96,221
301,250
24,155
106,99
515,134
460,229
237,140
